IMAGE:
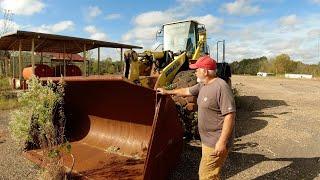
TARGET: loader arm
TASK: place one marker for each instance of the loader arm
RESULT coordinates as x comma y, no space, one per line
197,52
169,72
201,42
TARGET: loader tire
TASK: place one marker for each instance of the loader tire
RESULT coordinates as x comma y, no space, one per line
187,106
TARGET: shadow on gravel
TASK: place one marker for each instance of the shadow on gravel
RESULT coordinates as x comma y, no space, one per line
249,120
254,103
249,114
239,147
299,168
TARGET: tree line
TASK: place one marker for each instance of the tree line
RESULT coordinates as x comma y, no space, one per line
107,66
280,64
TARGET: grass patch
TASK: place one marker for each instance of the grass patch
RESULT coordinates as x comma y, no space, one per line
8,99
7,104
4,84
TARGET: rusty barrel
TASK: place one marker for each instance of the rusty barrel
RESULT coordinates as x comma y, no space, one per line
40,70
71,70
114,132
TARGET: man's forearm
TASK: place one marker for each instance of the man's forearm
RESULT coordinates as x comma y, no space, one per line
227,127
178,92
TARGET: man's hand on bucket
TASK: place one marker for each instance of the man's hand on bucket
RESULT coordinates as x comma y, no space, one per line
161,91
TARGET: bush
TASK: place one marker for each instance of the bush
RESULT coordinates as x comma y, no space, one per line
40,122
37,111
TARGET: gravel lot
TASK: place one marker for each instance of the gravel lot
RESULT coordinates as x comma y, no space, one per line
277,129
12,164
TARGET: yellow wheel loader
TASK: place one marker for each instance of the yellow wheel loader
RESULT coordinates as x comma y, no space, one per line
118,126
183,43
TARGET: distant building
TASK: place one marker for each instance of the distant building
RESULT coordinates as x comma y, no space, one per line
298,76
264,74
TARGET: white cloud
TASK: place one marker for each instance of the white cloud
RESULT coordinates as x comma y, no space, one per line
54,28
62,26
289,21
95,33
266,38
153,18
314,33
22,7
240,7
141,36
316,1
238,51
142,33
279,45
113,16
146,26
213,24
93,11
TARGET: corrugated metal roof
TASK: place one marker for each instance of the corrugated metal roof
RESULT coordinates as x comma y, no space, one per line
54,43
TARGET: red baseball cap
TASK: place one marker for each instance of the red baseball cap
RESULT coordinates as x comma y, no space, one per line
204,62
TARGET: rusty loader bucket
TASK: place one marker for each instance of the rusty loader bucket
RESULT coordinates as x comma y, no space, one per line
116,132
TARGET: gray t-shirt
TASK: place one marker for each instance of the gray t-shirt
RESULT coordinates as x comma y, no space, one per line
215,100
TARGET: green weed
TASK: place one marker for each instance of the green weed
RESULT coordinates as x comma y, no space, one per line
40,121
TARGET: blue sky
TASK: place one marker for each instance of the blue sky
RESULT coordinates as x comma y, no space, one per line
251,28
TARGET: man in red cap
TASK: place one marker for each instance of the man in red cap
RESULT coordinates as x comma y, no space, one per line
216,116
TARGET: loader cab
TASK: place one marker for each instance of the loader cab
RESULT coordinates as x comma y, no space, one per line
182,36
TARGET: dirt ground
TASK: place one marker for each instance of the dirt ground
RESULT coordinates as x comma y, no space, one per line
277,135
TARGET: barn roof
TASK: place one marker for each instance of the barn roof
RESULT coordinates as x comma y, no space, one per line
54,43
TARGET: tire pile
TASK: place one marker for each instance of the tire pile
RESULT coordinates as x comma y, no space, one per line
187,106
